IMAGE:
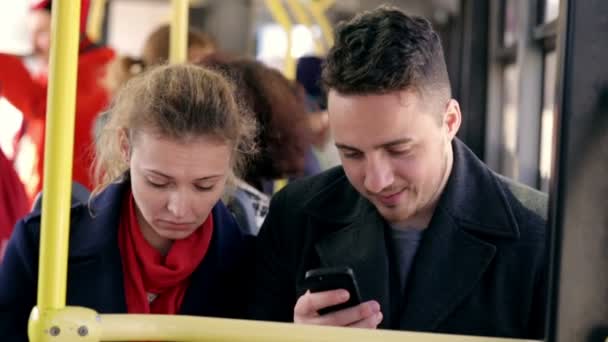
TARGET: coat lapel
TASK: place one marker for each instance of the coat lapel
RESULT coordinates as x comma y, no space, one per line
448,265
451,260
95,264
361,246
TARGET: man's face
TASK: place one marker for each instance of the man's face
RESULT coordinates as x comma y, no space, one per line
395,150
40,28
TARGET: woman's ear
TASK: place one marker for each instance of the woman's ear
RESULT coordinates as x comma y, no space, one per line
125,145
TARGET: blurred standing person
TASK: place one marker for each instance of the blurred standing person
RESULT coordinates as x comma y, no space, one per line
283,136
13,200
25,86
308,75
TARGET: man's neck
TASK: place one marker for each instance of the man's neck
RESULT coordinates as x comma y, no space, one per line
422,219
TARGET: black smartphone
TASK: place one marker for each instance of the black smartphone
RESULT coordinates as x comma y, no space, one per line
333,278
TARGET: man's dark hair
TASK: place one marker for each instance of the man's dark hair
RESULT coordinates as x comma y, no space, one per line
386,50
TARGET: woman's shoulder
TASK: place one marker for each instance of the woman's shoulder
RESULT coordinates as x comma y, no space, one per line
92,223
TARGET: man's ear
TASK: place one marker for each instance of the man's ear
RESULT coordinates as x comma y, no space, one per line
125,145
452,118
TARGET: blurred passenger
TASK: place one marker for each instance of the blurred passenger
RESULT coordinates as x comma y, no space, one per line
283,136
308,74
436,240
155,237
13,201
26,89
155,52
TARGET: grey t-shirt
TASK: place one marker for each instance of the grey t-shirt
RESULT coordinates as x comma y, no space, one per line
405,245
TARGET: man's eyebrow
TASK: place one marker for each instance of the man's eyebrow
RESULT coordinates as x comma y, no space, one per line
383,145
346,147
395,142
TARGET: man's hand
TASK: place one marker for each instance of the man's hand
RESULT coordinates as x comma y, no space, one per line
364,315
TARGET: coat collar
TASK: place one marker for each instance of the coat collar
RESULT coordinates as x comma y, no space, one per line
450,259
474,197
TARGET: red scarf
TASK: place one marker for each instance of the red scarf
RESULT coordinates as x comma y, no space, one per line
148,274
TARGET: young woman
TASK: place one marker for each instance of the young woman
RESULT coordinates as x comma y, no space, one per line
155,238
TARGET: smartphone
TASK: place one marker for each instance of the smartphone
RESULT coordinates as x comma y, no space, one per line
333,278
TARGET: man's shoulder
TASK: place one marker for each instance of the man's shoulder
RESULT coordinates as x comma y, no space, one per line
530,198
529,208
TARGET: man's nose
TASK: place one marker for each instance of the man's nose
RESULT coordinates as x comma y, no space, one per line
378,174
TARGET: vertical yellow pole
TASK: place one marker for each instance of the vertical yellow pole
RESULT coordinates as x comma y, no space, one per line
61,101
179,32
317,9
282,18
300,13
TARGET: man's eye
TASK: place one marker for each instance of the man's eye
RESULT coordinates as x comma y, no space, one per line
352,155
399,152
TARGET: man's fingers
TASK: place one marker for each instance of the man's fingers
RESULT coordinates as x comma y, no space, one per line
371,322
352,315
309,303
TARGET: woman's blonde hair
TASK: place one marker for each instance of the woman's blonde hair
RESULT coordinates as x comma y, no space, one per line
179,102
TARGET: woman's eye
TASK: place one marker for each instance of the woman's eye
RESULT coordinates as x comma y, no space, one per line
204,188
157,184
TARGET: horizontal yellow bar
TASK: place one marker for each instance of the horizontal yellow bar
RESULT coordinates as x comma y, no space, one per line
199,329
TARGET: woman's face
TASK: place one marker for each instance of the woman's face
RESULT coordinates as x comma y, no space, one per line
175,184
40,28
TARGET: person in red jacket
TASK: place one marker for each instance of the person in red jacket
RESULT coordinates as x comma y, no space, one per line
13,201
27,89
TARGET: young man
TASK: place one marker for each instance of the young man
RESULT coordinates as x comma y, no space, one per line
436,240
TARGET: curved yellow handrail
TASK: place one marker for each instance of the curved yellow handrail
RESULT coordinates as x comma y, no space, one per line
178,52
95,20
300,14
317,9
279,13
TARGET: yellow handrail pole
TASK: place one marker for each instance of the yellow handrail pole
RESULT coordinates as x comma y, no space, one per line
78,324
317,9
59,143
95,20
189,328
178,49
282,18
300,14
